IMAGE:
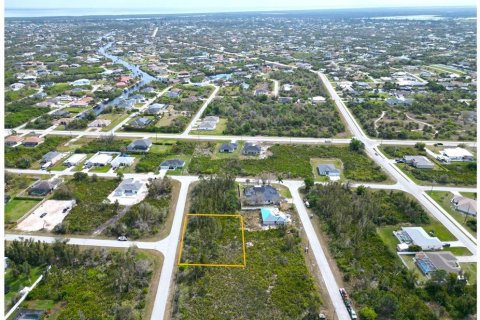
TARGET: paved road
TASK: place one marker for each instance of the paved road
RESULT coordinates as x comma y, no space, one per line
371,148
198,115
321,259
170,253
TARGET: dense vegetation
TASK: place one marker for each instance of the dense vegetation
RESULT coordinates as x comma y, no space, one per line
216,194
252,116
443,111
306,84
350,218
275,284
19,112
91,210
293,161
146,217
23,157
85,284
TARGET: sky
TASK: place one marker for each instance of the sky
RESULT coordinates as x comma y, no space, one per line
226,5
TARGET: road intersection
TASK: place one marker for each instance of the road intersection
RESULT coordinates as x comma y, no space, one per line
168,245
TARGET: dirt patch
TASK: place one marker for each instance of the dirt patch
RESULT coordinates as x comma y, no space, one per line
47,215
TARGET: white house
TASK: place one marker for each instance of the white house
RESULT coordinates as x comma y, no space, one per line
122,161
418,236
100,159
457,154
75,159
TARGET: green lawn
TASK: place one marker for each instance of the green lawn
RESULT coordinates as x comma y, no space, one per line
116,119
454,174
102,169
458,251
16,284
15,209
158,148
443,198
471,270
471,195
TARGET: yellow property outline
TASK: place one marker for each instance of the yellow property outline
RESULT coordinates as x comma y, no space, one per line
212,264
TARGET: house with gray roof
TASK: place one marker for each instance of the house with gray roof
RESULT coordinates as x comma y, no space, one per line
44,187
328,169
141,122
228,147
128,187
52,157
156,108
172,164
465,205
140,145
261,195
251,149
419,162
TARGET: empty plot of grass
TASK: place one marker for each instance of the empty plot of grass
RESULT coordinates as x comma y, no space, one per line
212,240
16,208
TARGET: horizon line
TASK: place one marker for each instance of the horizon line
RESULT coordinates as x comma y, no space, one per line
179,11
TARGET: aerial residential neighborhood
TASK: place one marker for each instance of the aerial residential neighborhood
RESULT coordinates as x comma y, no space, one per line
292,163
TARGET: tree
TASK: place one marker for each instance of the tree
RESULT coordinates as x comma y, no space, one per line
420,146
309,183
119,176
367,313
356,145
80,176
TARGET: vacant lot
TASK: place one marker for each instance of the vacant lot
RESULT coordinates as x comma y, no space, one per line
275,284
90,211
212,240
293,161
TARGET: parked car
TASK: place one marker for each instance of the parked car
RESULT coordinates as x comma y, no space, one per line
122,238
43,215
399,161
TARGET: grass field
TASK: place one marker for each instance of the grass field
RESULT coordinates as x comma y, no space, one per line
115,118
443,198
15,209
102,169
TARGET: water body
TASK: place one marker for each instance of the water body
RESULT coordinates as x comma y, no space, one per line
136,72
413,17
